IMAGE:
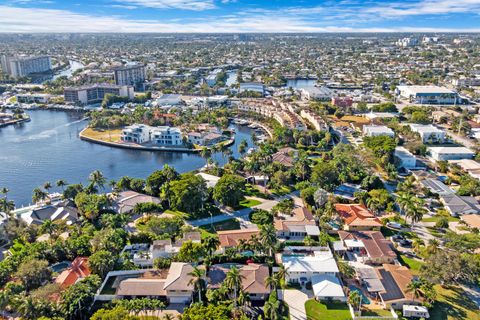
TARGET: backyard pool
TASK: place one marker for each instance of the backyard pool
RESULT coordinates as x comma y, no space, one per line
365,299
59,267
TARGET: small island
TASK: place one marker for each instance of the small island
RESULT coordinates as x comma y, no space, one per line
17,116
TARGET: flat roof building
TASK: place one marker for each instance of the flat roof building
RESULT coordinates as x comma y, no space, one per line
450,153
22,66
428,94
95,93
428,133
373,131
130,75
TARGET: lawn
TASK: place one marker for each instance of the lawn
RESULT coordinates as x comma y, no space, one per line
248,203
413,264
437,217
331,311
231,224
376,313
103,135
452,303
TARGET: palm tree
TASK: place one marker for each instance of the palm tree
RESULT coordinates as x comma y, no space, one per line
272,282
47,186
6,205
38,195
4,191
268,238
271,309
97,179
205,153
355,299
210,244
415,288
61,184
49,227
197,281
233,281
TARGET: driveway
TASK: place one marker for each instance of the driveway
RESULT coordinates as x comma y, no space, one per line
295,299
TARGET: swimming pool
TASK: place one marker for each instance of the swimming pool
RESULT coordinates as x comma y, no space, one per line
59,267
365,300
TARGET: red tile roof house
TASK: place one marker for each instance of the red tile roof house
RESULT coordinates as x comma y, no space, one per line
357,217
77,271
232,238
253,279
368,246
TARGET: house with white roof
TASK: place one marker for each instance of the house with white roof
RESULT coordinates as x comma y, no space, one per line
450,153
301,269
405,158
374,131
327,287
429,133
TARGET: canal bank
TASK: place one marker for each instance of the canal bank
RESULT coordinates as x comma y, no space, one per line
84,136
48,149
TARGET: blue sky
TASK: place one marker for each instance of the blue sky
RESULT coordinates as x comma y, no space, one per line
239,16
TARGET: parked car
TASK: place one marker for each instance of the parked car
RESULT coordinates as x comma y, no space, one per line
405,243
397,238
394,225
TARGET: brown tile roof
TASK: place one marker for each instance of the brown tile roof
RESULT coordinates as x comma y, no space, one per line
395,280
178,277
357,215
375,243
283,158
231,238
78,270
473,220
253,277
141,287
301,217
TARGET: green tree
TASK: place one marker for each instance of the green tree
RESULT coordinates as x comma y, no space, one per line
190,252
33,272
229,190
197,281
233,281
102,262
77,299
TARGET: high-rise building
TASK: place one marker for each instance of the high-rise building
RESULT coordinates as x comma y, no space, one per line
22,66
95,93
130,75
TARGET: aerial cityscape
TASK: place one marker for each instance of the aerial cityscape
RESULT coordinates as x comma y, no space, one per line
204,159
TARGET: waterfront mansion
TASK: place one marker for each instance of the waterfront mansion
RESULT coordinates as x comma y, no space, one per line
162,136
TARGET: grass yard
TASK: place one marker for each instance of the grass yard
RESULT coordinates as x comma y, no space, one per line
376,313
248,203
331,311
231,224
103,135
453,304
413,264
436,218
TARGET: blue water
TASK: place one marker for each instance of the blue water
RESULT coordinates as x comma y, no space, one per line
299,83
59,267
365,300
48,149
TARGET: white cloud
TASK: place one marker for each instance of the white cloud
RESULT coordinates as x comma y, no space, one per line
426,7
15,19
197,5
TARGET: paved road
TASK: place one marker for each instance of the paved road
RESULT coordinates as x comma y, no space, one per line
242,214
295,299
470,143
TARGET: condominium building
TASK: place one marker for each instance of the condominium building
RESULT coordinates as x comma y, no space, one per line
130,75
22,66
317,122
95,93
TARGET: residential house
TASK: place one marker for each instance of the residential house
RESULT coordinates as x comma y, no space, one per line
436,186
429,133
368,246
296,226
285,156
405,158
472,220
232,238
126,201
450,153
395,280
410,311
253,277
174,285
374,131
470,166
357,217
78,270
301,269
59,211
460,205
328,287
